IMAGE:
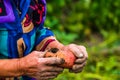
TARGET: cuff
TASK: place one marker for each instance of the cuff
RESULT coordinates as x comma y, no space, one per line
43,44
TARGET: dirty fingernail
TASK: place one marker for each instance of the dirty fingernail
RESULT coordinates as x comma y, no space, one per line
62,61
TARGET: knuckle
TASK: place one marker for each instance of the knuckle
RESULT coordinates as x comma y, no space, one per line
55,61
71,45
44,69
34,52
83,47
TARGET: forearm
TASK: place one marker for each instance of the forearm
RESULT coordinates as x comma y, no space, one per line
10,68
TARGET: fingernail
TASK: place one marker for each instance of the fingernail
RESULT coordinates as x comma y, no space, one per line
81,55
62,61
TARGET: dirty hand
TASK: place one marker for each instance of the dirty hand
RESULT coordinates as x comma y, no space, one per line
81,57
34,65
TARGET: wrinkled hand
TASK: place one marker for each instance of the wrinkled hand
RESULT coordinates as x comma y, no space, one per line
34,65
81,54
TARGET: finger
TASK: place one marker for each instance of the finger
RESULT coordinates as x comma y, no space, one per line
83,50
76,71
52,69
46,78
52,61
31,72
77,52
41,75
80,60
44,74
78,66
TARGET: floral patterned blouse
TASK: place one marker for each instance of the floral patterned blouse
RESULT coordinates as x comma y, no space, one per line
22,29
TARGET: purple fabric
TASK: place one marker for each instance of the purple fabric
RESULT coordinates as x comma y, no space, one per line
10,15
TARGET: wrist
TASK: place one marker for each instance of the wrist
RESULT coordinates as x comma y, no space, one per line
55,44
20,67
47,43
44,47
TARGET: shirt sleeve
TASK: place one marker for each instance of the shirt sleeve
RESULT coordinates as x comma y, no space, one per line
42,32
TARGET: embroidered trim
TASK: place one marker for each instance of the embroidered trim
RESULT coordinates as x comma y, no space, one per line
46,44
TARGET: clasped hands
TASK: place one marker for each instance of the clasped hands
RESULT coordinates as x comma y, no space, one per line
36,66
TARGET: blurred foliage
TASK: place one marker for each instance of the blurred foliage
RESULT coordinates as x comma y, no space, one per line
95,24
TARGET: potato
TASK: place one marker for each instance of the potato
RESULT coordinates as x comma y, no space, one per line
68,57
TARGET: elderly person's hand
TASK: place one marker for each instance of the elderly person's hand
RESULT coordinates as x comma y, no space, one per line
34,65
81,55
78,50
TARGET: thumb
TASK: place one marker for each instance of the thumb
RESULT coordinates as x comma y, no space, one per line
76,51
